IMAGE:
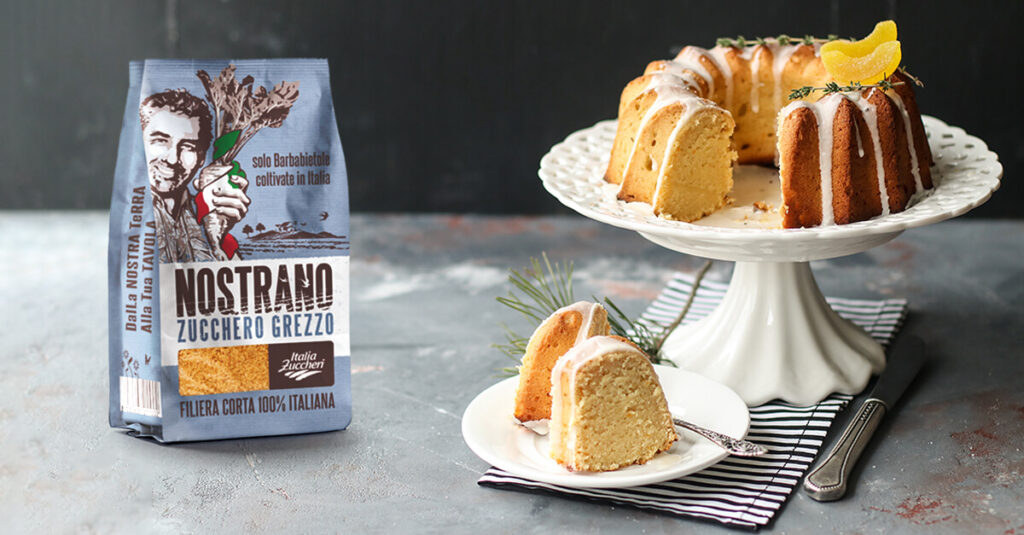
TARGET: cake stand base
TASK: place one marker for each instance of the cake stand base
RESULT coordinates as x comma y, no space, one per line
774,336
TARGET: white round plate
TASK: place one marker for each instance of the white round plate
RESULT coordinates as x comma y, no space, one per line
965,174
491,432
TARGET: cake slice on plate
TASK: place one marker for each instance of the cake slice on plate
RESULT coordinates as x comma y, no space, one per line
608,409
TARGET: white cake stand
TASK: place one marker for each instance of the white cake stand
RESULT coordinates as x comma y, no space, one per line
773,335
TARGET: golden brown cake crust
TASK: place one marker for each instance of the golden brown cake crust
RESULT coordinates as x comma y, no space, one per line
854,185
799,169
551,340
924,153
892,136
633,95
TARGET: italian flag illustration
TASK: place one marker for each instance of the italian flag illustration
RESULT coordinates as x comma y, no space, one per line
227,242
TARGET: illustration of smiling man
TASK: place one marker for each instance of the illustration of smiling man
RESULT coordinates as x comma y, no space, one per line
176,132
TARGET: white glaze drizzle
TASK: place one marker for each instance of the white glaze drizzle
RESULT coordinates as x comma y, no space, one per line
585,309
717,56
588,320
661,171
687,75
590,348
755,78
668,92
870,113
572,361
689,58
824,113
780,57
915,167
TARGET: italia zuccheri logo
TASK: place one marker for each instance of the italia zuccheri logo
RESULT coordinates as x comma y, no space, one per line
302,365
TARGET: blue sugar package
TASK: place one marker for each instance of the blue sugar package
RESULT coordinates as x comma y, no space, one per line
228,260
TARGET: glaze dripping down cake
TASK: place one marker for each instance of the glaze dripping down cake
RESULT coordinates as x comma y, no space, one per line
843,158
851,156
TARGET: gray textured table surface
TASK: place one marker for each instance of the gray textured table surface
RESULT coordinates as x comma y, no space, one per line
423,319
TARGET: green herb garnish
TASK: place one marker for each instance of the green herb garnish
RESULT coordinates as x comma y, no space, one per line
832,87
782,39
546,286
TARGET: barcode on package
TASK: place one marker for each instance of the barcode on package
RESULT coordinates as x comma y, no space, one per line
140,396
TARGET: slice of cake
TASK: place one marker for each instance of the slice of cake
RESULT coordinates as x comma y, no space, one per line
556,335
608,409
668,119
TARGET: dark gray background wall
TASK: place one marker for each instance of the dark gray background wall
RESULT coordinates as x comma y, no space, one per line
449,105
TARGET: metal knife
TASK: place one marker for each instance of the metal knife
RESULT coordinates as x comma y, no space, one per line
827,482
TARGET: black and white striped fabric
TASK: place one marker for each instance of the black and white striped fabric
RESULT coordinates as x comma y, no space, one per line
736,492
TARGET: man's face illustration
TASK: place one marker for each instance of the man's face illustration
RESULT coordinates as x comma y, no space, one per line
172,149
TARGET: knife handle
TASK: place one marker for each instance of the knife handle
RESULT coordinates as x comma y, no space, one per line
828,481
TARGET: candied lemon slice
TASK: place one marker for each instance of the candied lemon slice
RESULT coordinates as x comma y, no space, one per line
884,31
869,69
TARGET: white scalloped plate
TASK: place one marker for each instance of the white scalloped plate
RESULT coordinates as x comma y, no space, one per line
490,431
966,174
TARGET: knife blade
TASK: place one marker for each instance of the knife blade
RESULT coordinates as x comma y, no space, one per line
828,481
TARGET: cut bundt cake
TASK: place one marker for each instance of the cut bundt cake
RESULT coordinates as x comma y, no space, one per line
608,409
685,122
556,335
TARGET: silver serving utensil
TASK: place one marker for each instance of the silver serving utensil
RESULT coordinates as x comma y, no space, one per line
740,448
828,481
735,446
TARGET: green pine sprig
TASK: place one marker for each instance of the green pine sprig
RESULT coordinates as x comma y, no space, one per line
547,286
635,331
514,347
547,291
543,289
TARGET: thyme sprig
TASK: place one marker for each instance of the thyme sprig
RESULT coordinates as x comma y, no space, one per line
782,39
546,286
832,87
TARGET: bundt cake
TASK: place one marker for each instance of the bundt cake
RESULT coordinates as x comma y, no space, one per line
556,335
608,409
844,158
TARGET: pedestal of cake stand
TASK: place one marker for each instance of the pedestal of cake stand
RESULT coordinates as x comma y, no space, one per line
775,336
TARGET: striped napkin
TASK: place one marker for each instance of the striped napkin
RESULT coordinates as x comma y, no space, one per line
736,491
